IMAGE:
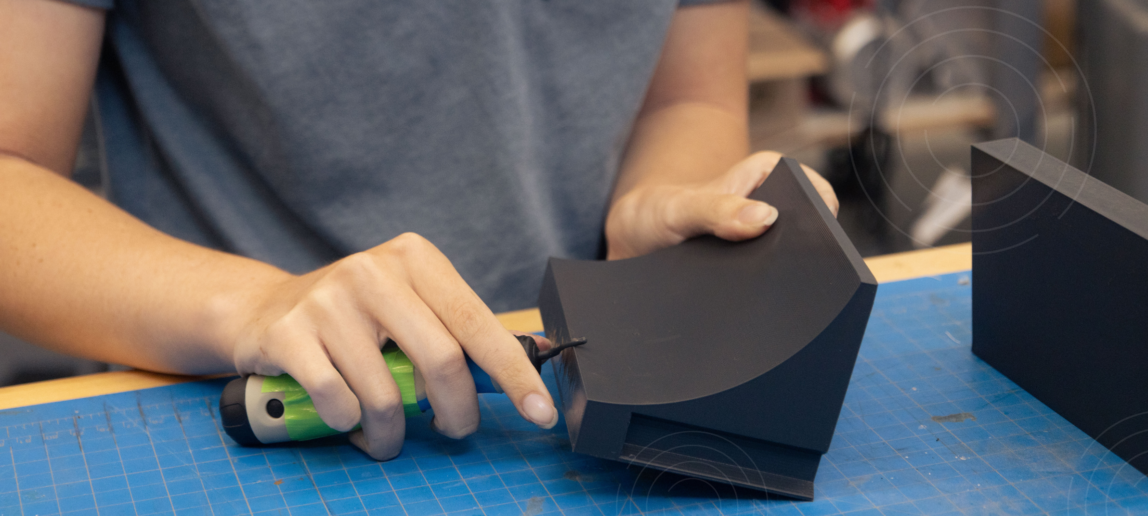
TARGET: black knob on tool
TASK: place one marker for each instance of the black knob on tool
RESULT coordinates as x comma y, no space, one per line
233,412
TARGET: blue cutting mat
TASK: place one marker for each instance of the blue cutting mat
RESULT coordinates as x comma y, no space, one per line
927,429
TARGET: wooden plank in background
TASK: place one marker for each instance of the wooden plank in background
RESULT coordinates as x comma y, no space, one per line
778,51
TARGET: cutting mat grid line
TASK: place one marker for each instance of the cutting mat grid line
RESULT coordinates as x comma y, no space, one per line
927,428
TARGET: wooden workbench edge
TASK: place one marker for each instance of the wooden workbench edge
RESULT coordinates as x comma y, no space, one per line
922,263
893,267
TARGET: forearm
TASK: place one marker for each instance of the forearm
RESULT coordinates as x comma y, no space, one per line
84,278
682,143
689,132
693,124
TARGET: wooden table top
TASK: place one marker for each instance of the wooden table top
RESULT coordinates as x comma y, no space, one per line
893,267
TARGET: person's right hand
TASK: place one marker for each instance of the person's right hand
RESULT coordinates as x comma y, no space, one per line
326,329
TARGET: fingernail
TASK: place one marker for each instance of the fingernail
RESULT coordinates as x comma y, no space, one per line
758,214
541,412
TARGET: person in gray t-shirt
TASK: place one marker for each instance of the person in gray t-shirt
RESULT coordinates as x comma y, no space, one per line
294,183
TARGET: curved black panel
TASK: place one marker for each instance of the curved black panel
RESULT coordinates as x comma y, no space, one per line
750,343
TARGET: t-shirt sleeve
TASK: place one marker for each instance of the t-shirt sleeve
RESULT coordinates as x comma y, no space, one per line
98,4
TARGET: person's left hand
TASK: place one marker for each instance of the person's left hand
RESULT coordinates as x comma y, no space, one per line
648,218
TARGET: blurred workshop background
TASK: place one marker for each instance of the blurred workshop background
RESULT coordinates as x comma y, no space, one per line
884,97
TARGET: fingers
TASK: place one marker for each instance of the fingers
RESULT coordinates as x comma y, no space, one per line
722,209
302,357
482,337
435,353
327,337
353,346
748,174
504,359
726,216
498,353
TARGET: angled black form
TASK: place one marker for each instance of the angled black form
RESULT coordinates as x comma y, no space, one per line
1060,291
718,360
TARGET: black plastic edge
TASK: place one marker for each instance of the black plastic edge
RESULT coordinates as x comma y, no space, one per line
233,412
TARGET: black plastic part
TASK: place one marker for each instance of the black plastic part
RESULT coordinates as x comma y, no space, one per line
531,349
275,408
539,357
719,360
233,411
1060,291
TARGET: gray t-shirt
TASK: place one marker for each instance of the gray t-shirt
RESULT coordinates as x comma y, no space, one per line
297,132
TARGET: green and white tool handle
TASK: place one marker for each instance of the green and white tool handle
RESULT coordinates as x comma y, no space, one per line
270,409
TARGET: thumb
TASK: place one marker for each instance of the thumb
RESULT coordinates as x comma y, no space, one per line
726,216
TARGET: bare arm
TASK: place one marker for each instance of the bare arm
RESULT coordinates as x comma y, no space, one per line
693,122
685,172
83,277
48,53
